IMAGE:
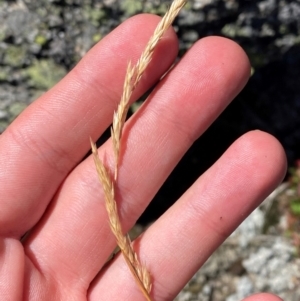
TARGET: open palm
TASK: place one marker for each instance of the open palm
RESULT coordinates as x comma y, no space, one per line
48,190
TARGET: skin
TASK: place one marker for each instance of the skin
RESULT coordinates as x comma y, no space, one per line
47,188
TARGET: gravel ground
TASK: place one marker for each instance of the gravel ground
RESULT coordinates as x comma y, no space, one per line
40,41
253,259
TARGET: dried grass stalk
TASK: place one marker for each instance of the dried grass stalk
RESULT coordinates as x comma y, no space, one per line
135,73
132,78
139,272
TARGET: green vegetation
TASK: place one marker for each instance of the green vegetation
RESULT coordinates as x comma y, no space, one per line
15,56
40,40
295,185
295,207
94,15
15,109
44,74
97,37
131,7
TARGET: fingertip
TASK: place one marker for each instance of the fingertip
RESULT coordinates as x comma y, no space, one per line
264,150
216,69
147,22
263,297
233,51
228,62
128,40
252,167
123,45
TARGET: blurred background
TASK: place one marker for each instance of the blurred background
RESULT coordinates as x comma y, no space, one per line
40,41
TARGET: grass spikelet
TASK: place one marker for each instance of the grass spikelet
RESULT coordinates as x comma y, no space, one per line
135,73
139,272
132,78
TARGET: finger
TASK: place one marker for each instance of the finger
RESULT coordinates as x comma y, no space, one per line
263,297
178,244
41,147
75,232
11,269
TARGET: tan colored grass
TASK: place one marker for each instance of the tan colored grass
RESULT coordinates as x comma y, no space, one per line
135,73
132,78
139,272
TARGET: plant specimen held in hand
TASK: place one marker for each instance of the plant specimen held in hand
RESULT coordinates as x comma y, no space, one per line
133,76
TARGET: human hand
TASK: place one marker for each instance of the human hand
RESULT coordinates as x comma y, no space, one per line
45,187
